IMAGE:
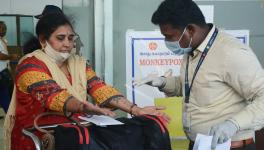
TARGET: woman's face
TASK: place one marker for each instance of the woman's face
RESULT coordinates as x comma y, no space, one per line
62,39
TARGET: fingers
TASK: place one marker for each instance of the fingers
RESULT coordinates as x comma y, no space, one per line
88,104
157,112
137,83
160,107
213,132
108,112
221,139
214,142
158,82
95,110
142,81
14,56
166,117
222,132
168,73
104,111
146,80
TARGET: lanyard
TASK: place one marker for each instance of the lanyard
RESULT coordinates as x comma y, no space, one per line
208,46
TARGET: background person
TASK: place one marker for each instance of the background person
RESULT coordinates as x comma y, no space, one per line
6,81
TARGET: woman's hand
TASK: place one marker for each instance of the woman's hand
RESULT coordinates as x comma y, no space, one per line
13,56
92,109
151,110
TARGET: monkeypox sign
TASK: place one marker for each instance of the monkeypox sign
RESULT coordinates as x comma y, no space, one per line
146,54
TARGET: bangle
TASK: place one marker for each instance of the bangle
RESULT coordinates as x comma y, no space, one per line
131,108
65,112
81,108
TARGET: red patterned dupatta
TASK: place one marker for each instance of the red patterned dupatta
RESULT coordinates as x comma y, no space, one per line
77,68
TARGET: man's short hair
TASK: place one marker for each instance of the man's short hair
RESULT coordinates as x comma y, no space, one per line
178,13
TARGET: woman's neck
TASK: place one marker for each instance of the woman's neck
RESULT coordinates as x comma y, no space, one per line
63,64
64,68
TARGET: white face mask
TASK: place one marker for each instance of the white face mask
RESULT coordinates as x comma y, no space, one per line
56,56
176,48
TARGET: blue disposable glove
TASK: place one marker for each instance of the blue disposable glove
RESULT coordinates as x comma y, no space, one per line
222,132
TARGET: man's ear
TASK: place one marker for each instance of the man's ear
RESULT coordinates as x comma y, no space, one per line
191,28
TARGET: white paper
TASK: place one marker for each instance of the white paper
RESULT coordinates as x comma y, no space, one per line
203,142
224,146
101,120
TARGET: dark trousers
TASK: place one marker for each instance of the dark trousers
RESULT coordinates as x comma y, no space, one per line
6,88
247,147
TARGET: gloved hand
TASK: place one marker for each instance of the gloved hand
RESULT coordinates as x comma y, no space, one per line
222,132
152,81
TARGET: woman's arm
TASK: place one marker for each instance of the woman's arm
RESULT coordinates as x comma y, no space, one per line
125,105
106,95
75,106
34,79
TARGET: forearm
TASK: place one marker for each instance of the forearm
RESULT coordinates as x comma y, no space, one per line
4,56
125,105
72,105
250,117
133,109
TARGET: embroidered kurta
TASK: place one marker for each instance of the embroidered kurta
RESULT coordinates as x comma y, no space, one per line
37,92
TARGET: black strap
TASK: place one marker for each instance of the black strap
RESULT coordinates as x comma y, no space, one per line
208,46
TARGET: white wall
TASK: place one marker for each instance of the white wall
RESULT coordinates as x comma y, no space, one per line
26,7
5,6
81,13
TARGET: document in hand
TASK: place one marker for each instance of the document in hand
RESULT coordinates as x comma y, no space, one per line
101,120
203,142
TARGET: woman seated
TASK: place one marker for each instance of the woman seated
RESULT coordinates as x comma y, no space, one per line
53,78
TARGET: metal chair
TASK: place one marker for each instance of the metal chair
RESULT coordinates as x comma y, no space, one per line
37,142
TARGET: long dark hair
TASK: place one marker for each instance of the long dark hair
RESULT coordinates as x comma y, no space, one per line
44,28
